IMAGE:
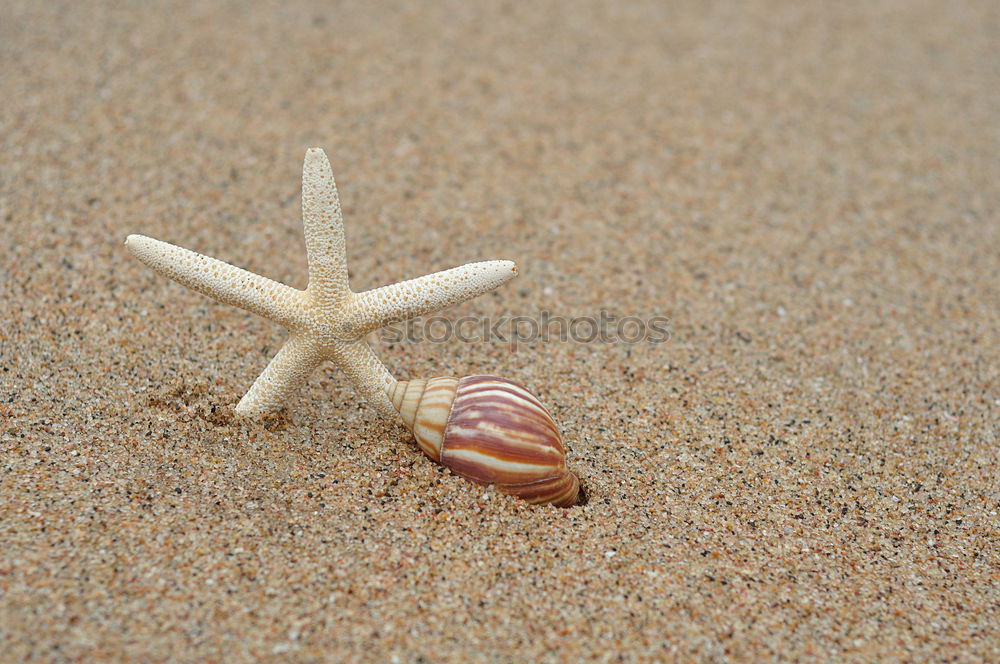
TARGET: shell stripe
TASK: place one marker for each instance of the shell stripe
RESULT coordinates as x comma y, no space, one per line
501,389
496,423
504,391
501,420
513,402
499,433
398,396
490,469
561,491
414,390
502,445
491,415
432,415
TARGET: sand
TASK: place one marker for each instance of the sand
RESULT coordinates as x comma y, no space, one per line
807,470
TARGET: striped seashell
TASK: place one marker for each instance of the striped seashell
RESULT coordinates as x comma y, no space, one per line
489,430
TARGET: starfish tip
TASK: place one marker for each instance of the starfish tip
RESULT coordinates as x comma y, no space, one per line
137,242
510,266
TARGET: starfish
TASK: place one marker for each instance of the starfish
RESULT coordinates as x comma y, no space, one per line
327,320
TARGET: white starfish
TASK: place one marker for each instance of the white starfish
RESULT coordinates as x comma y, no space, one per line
326,321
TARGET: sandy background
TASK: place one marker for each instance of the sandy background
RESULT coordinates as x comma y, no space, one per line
807,470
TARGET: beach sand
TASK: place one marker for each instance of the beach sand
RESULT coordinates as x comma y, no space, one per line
807,470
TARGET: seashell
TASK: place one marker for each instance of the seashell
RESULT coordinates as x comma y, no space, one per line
491,431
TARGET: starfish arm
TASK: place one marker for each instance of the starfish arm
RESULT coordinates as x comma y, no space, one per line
284,375
221,281
324,232
368,375
433,292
